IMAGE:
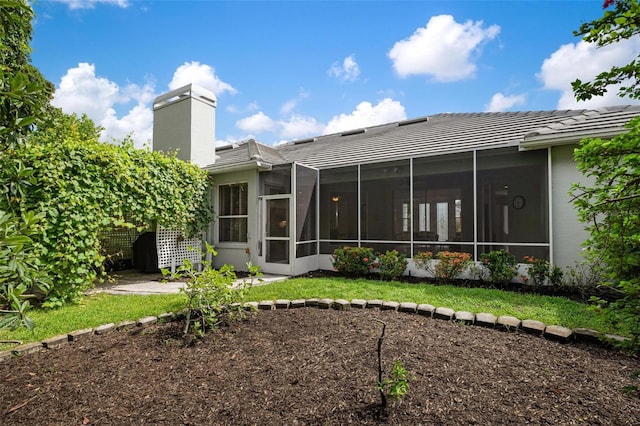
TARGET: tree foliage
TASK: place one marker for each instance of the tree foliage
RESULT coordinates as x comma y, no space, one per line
24,96
621,20
609,205
24,92
610,208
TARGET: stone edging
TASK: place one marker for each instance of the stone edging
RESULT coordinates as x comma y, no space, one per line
505,323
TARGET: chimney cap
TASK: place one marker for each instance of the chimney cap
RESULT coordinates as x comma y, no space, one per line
190,90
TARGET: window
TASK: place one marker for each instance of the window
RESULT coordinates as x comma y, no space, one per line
232,216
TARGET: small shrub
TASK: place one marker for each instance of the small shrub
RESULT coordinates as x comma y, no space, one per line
392,265
396,386
422,260
211,296
541,272
502,266
353,261
451,264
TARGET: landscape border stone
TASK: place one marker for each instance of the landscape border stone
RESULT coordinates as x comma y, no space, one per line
505,322
425,309
533,326
390,306
283,303
408,307
509,323
358,303
146,321
56,341
464,317
76,335
325,303
298,303
443,313
342,305
484,319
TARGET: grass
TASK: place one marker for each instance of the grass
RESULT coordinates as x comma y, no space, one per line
103,308
548,309
94,310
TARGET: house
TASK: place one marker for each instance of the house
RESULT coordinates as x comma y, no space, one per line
471,182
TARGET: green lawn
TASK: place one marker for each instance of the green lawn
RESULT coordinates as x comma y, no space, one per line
104,308
550,310
94,310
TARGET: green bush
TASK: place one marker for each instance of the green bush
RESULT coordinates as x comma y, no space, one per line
422,260
502,266
353,261
541,272
451,264
391,265
211,297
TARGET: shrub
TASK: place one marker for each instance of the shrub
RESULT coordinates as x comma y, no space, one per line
541,272
422,260
353,261
392,265
211,295
502,266
451,264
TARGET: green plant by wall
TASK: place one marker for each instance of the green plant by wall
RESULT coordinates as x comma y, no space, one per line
422,260
541,272
502,266
353,261
391,265
451,264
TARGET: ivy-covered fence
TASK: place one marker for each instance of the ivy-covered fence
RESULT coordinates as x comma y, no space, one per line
83,186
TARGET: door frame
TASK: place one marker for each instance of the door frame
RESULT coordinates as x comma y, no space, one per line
275,268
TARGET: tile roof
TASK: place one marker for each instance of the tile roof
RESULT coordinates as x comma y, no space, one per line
433,135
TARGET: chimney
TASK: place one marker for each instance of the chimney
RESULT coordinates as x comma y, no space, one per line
184,119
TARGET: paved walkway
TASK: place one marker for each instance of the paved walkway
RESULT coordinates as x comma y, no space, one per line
133,282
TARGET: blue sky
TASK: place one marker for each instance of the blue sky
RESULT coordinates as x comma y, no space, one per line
289,70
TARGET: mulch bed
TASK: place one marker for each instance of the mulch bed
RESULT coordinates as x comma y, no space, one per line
312,366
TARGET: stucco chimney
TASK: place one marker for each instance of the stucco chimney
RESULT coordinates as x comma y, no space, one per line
184,119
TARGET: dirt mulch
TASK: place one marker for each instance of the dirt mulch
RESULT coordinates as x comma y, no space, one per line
312,366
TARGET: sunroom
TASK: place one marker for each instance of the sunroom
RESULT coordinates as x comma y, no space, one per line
471,183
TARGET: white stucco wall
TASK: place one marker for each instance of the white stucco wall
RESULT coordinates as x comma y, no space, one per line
568,232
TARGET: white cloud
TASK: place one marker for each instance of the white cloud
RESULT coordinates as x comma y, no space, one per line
349,71
202,75
82,92
139,120
585,61
298,126
443,49
366,115
90,4
500,102
291,104
256,123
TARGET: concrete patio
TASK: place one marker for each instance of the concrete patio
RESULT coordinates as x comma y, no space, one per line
134,282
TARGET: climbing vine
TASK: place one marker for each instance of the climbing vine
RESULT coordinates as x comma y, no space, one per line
82,186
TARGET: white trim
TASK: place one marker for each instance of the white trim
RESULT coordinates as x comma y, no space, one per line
550,201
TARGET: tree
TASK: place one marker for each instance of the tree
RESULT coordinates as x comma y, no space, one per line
620,22
610,209
610,204
24,92
24,95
